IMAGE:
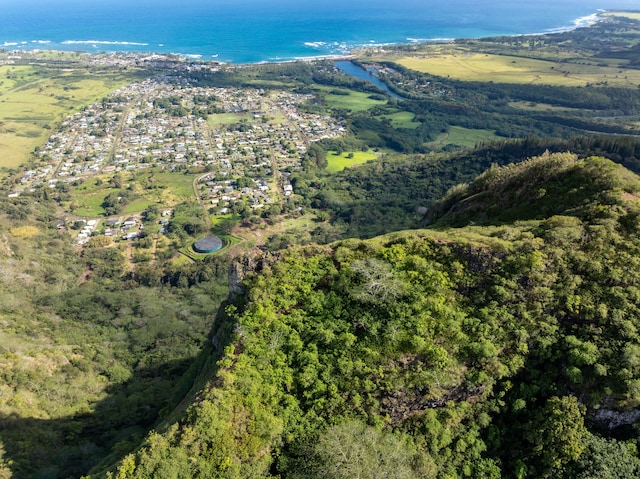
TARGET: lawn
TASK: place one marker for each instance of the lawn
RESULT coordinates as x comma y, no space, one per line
353,100
224,119
89,204
339,162
137,206
512,69
402,119
172,188
219,222
465,137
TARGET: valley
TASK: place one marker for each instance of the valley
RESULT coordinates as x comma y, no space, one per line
440,283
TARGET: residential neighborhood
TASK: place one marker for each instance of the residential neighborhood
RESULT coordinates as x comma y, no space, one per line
247,140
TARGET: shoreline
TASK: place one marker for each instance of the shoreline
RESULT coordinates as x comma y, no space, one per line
586,21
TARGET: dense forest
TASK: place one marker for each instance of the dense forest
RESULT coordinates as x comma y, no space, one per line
395,192
503,350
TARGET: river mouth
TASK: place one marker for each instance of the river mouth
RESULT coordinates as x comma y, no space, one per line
357,71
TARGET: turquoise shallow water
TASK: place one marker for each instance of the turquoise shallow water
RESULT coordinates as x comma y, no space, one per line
245,31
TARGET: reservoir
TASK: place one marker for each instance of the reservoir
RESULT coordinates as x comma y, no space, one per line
354,70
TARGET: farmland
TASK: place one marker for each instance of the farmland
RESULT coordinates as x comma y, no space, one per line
485,67
35,97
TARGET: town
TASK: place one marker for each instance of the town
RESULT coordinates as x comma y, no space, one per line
247,142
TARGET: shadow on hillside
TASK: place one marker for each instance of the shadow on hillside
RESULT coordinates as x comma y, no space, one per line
72,446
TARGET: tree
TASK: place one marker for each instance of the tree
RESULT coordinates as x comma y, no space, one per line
116,181
605,459
558,435
354,450
379,284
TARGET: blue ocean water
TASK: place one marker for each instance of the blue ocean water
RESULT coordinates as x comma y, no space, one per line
247,31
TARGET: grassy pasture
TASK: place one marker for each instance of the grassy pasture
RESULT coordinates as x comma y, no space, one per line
631,15
136,206
178,186
34,98
513,69
89,204
168,190
354,101
338,163
464,137
224,119
531,106
402,119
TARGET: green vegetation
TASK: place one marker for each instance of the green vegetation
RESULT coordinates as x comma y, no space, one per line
34,98
544,187
403,119
469,66
351,100
128,192
338,162
464,137
478,352
498,338
92,356
225,119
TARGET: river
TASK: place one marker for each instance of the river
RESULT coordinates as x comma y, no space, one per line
354,70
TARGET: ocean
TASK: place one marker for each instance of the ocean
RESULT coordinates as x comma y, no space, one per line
249,31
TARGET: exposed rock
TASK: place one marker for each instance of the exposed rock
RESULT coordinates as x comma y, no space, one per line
611,419
244,266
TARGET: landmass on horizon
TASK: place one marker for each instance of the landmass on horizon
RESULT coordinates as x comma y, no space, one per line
278,31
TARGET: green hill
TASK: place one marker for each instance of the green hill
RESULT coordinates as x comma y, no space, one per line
506,350
538,188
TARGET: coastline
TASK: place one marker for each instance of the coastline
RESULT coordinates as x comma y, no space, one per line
344,53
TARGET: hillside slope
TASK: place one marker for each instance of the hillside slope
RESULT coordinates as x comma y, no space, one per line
508,350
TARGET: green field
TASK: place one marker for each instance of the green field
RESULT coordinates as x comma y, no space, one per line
631,15
34,98
339,162
465,137
402,119
221,221
171,188
532,106
353,101
224,119
90,205
153,187
514,69
137,205
86,198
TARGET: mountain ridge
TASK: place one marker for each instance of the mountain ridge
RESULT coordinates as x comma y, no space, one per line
484,351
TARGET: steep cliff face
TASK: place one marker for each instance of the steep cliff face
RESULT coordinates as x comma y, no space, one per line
246,265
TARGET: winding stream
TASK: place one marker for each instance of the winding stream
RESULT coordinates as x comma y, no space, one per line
356,71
